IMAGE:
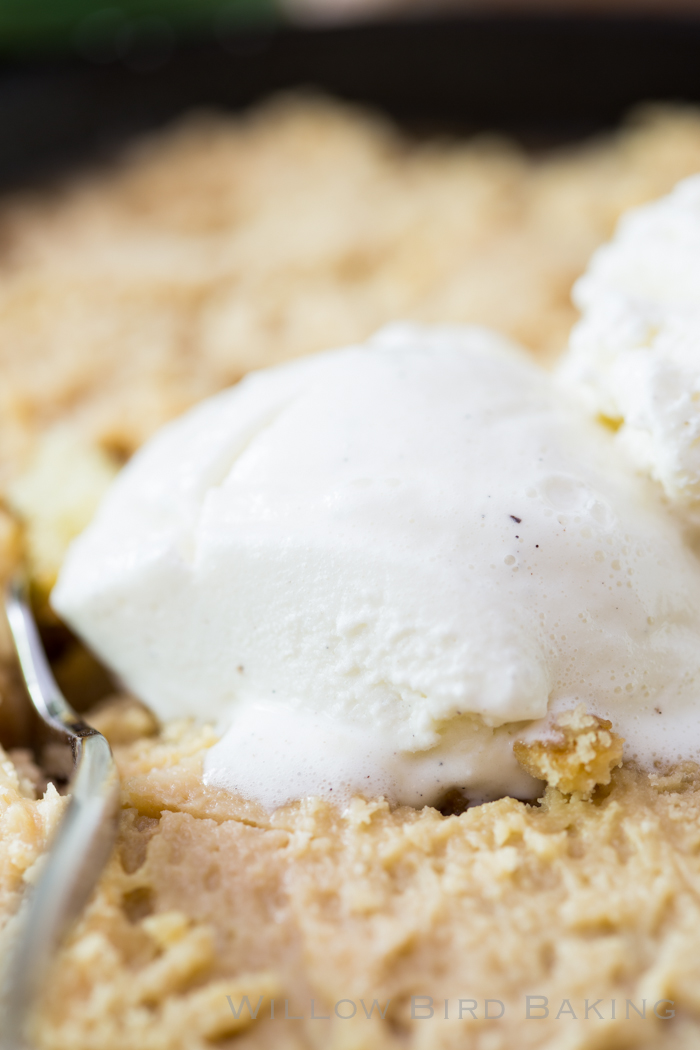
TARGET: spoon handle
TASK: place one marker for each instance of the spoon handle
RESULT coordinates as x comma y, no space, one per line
81,845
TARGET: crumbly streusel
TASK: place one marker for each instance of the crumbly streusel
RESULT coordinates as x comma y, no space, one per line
207,897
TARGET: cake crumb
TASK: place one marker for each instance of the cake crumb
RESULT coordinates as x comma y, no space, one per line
122,719
581,753
31,780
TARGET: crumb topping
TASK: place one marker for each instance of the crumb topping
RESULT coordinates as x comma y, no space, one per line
581,753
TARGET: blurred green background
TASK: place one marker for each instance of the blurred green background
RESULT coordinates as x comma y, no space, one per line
100,30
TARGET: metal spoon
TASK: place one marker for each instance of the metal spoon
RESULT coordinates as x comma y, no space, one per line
81,844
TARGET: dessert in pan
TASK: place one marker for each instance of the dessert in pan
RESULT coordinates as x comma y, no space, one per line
403,637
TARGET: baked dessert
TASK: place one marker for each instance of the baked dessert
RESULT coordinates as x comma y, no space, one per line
210,898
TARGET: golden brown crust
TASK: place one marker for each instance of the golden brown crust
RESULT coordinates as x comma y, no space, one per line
570,900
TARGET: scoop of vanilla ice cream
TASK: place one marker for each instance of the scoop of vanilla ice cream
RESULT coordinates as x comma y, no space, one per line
635,354
373,567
